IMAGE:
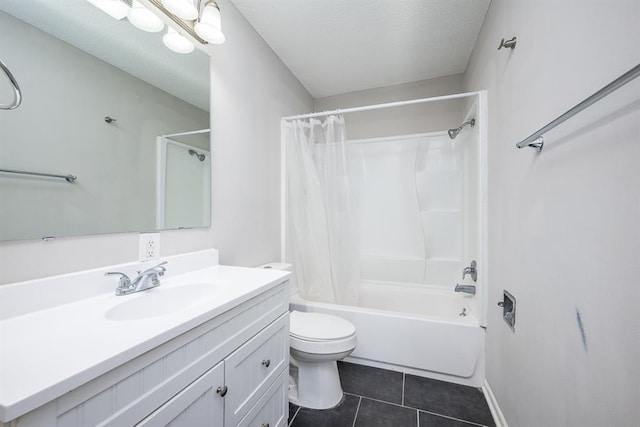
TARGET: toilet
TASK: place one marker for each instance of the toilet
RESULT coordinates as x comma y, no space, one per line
316,342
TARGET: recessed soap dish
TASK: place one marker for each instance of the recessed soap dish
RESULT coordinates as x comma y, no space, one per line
508,305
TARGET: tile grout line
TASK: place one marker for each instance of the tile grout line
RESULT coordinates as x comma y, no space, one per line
357,410
451,418
378,400
403,382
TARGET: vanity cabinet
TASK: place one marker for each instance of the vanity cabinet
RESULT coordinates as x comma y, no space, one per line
231,370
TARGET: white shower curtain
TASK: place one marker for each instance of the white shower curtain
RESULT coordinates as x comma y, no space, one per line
319,210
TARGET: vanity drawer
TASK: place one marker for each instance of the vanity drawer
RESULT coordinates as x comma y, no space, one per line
272,408
250,370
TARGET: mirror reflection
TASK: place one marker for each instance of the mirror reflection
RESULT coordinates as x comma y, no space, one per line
110,105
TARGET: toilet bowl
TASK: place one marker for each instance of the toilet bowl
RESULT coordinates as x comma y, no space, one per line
317,342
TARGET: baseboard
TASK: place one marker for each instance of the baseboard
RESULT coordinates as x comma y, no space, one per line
496,412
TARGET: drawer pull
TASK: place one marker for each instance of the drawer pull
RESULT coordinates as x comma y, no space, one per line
265,425
266,363
222,391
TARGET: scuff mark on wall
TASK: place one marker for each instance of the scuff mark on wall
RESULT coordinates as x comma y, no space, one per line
581,326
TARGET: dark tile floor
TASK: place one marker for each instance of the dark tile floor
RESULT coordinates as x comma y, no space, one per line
381,398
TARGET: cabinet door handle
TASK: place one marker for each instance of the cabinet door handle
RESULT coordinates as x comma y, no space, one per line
222,391
266,363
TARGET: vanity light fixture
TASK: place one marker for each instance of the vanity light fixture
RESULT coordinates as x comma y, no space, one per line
200,19
185,9
176,42
209,24
114,8
143,18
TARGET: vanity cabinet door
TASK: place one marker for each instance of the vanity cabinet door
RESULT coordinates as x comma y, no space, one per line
253,368
199,404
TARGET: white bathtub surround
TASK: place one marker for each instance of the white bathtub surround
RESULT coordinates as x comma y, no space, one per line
413,329
409,197
59,333
319,209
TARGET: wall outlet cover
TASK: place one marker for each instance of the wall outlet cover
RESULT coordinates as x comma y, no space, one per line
149,246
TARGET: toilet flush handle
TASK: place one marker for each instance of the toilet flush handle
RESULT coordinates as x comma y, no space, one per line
266,363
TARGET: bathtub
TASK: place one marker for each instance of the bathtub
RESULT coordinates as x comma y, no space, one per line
413,329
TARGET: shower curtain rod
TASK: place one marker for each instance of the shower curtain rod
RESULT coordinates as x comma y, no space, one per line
193,132
380,106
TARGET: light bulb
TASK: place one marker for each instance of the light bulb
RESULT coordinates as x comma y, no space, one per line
209,26
144,19
177,43
184,9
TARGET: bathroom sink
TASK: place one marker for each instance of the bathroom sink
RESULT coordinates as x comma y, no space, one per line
161,301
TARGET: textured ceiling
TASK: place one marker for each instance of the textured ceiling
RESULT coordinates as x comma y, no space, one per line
341,46
119,43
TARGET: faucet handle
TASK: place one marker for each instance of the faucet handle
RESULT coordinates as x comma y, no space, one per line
472,270
158,269
124,284
161,268
123,277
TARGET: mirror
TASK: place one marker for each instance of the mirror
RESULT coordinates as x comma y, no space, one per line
106,103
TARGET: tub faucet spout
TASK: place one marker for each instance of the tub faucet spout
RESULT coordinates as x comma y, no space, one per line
467,289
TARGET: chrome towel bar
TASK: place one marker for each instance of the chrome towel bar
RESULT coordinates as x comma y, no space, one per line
17,93
68,178
536,139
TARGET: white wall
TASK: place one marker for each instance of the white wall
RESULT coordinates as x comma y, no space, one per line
420,118
251,90
564,225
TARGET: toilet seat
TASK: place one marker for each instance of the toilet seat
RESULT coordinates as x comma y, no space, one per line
319,326
318,333
326,348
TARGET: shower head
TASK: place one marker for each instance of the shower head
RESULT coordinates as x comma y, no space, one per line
200,156
454,132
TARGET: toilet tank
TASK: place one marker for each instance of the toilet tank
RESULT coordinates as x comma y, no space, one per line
293,284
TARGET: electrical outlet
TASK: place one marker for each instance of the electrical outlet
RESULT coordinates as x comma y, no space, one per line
149,246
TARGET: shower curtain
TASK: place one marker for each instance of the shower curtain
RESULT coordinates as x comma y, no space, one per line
319,210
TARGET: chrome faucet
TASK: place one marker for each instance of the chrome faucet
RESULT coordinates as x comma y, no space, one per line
467,289
472,270
147,279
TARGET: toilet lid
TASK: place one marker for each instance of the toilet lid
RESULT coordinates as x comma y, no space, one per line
319,327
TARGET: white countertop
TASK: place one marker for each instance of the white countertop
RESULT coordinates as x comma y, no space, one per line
46,353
